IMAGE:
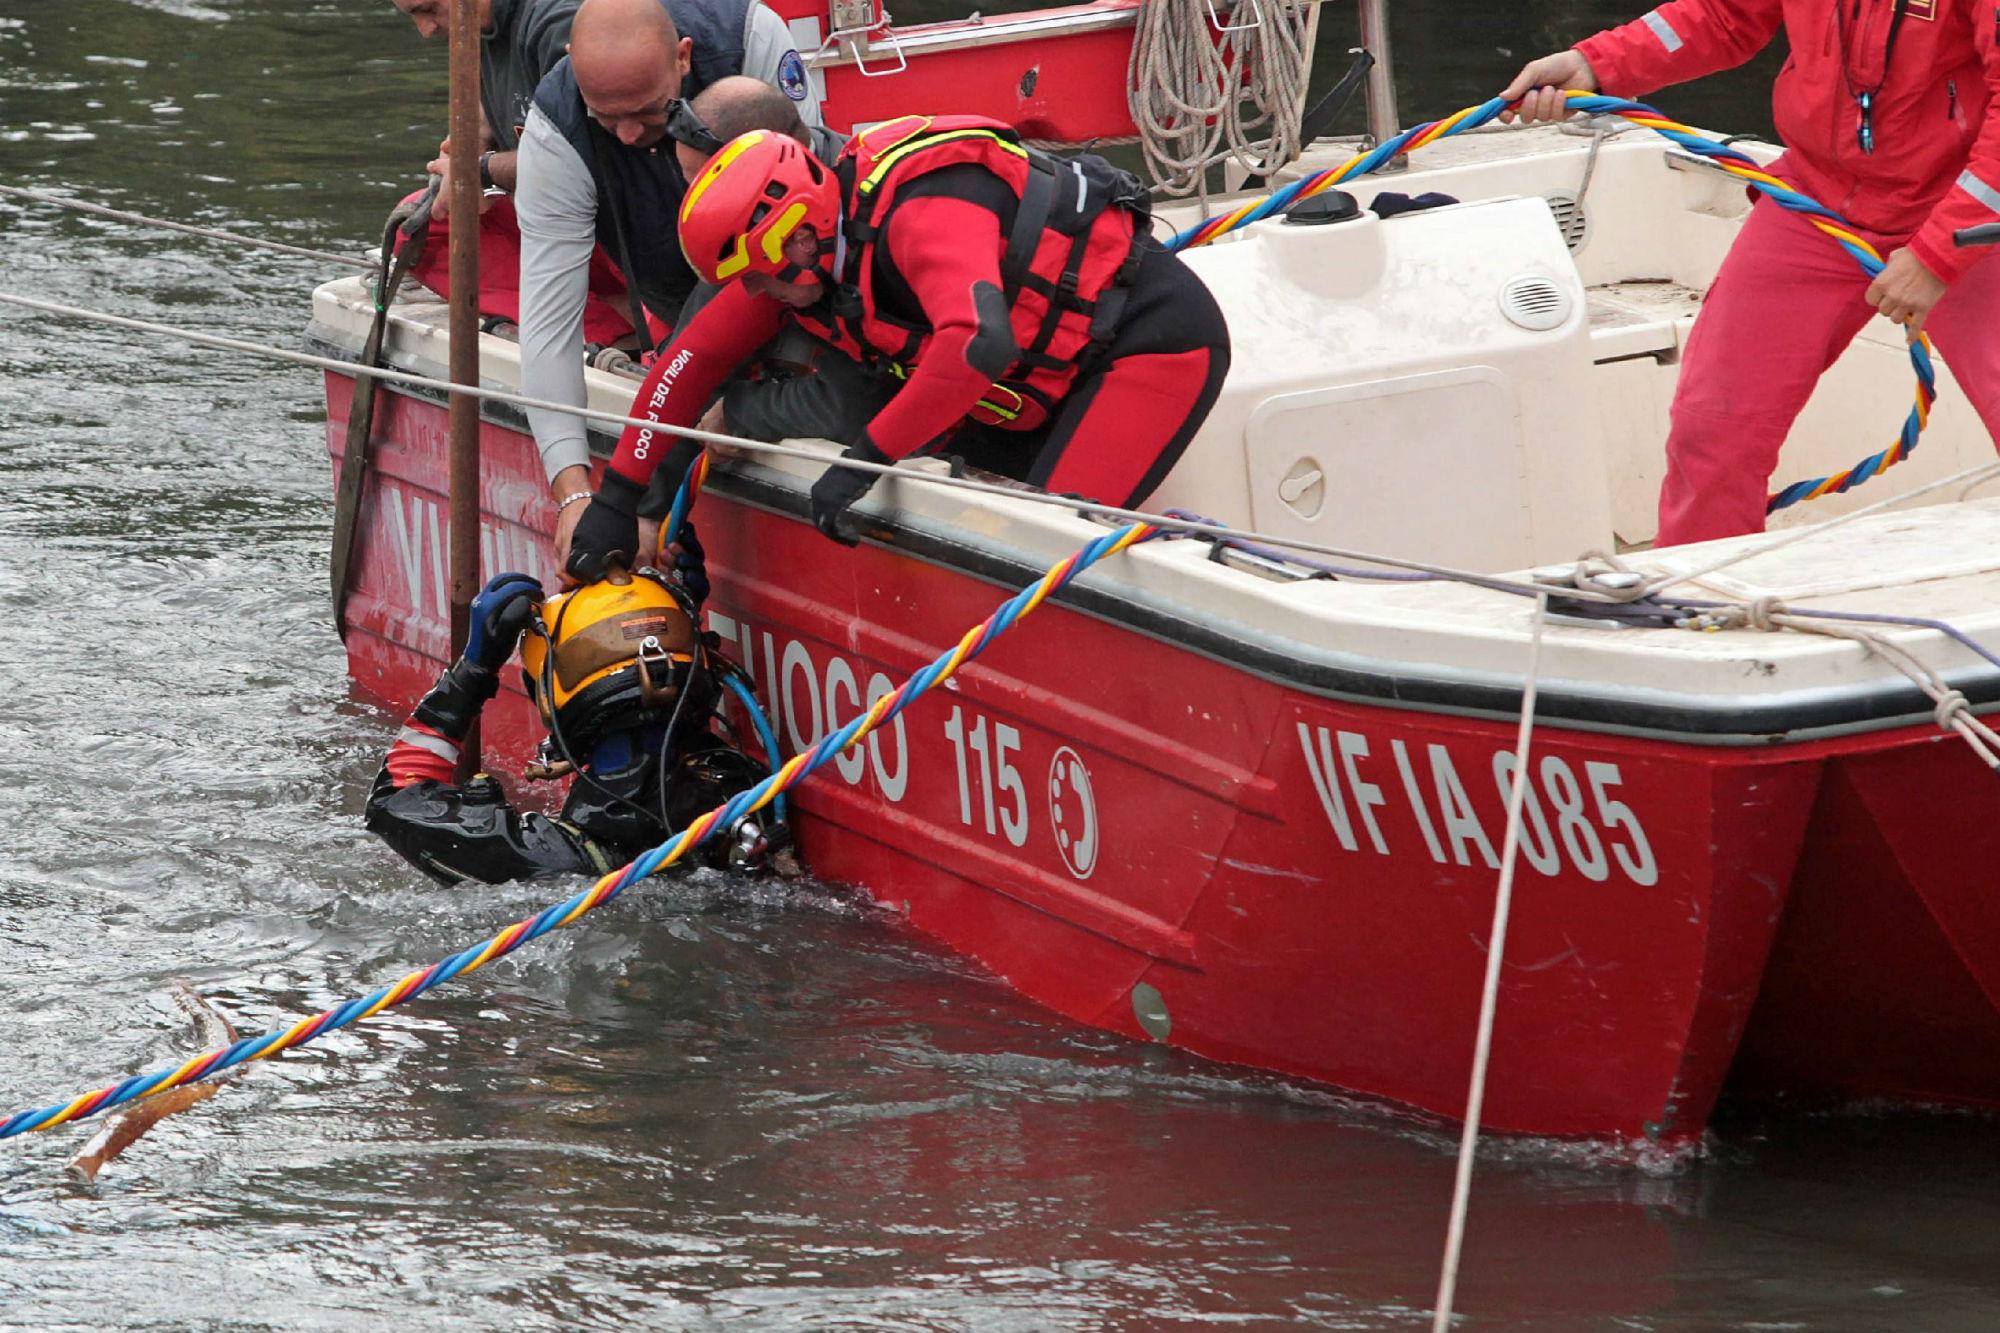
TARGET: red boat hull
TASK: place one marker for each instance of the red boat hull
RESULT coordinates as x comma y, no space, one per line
1172,847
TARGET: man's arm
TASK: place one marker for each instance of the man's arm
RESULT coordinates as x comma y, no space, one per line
1974,197
948,251
455,833
545,40
724,332
769,54
556,203
721,336
1681,40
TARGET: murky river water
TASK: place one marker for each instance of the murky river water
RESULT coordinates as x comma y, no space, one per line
720,1103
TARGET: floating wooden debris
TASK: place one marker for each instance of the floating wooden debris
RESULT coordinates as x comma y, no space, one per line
125,1129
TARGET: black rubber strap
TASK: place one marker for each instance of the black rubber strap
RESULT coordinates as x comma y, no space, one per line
601,150
354,458
1030,221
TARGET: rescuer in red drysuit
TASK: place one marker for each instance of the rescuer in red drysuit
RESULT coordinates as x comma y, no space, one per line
1885,109
1015,293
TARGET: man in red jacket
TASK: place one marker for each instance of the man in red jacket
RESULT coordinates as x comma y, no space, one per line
1030,322
1885,112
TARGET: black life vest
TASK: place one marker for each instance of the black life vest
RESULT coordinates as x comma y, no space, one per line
1066,271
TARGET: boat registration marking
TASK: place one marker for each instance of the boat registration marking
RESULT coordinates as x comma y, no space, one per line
1567,819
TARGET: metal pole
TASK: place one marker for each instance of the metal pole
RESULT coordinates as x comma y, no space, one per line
464,356
1383,122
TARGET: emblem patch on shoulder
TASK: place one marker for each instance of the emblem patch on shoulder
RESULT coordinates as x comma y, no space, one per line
792,76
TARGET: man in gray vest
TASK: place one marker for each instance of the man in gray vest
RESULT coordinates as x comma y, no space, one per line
597,165
520,41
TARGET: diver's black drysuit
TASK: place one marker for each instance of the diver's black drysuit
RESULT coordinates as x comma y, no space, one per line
629,798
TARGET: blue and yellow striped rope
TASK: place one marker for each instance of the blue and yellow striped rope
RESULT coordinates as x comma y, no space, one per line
1724,156
555,917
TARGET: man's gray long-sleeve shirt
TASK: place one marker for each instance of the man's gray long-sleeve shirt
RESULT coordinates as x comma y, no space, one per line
555,199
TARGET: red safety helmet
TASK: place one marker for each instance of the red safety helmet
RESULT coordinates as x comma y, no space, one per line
746,203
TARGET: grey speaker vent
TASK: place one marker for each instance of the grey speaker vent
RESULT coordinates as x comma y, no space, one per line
1535,303
1572,219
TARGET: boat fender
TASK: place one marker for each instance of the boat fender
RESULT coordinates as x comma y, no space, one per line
1321,209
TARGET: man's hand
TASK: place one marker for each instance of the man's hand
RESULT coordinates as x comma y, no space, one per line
716,422
1540,85
839,487
440,166
608,532
1905,291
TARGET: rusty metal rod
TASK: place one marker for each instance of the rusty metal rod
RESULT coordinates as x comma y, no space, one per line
466,146
1383,122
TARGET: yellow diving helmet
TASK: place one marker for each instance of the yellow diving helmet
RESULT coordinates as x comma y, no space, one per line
613,654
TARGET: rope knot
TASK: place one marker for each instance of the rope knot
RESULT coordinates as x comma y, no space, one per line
1951,706
1758,611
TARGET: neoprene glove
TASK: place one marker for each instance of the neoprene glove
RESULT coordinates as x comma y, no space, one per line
608,532
499,613
839,487
691,562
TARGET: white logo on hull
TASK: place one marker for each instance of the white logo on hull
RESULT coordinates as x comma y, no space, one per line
1073,812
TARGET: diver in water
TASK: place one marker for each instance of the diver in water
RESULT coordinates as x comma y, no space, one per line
629,689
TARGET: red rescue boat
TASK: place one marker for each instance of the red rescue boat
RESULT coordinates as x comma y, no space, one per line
1217,799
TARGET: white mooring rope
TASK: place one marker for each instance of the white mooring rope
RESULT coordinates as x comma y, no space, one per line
1503,902
1191,527
209,233
1200,82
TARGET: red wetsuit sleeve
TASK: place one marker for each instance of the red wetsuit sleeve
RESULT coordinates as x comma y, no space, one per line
944,249
722,336
1681,40
421,753
1974,198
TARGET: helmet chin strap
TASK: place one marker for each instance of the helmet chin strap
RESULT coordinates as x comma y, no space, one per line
798,275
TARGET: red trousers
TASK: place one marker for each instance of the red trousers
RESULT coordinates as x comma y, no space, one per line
605,313
1784,306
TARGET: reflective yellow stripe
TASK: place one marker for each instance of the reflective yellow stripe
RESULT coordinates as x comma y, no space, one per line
736,262
902,372
914,142
781,231
716,164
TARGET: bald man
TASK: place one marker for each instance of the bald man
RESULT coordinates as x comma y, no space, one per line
597,165
737,105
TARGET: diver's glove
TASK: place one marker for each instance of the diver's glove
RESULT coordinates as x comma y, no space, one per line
608,532
691,562
839,487
499,613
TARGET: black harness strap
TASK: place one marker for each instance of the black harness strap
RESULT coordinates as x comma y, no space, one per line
413,223
602,150
1031,219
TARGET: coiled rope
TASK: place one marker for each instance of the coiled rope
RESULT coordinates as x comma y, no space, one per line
561,914
1199,87
1723,155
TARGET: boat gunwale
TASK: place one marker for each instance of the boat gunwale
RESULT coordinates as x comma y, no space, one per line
1769,721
